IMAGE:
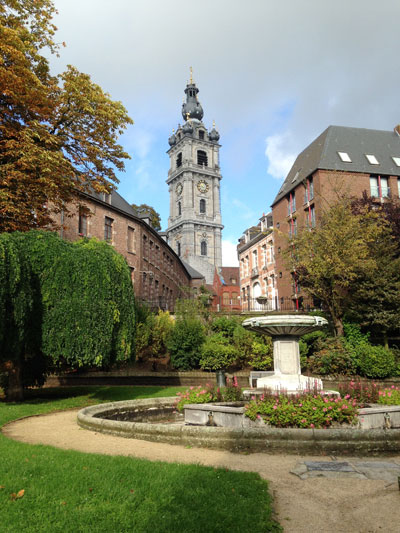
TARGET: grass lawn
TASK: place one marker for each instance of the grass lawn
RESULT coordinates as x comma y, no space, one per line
72,492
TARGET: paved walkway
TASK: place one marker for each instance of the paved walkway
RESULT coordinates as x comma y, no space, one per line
312,494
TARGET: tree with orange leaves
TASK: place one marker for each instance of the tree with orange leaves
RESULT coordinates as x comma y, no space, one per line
58,134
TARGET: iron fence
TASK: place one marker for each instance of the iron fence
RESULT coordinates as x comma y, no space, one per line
281,304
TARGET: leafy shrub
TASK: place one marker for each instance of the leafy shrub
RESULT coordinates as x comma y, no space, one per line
184,343
261,356
375,361
310,343
333,357
225,325
243,340
389,396
210,393
231,393
353,335
152,335
217,352
363,392
302,411
194,395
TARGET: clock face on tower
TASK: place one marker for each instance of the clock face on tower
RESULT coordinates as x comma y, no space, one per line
179,189
202,186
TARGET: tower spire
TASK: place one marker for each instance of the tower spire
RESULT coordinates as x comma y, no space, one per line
192,108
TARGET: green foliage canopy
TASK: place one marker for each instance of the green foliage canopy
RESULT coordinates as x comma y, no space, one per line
90,290
330,259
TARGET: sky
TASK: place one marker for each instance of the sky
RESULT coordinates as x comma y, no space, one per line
273,74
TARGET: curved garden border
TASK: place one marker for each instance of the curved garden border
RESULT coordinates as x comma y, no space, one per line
268,440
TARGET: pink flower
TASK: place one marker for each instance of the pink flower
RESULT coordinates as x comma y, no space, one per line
314,408
275,407
303,421
300,405
330,407
312,426
392,387
324,409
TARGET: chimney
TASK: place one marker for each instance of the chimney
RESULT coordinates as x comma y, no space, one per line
397,129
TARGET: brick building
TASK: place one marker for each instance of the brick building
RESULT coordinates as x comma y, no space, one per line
341,161
158,274
226,289
257,267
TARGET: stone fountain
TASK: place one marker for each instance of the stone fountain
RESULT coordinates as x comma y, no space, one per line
285,331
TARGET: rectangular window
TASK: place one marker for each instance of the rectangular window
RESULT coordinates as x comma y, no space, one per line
108,223
131,240
309,191
83,218
310,222
379,187
291,203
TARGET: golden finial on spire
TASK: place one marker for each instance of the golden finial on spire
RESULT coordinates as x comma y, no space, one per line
173,130
213,123
191,75
187,116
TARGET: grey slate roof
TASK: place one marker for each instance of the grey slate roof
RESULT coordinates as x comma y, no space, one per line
194,274
322,153
122,205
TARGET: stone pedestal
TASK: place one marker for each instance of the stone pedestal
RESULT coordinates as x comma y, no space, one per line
285,331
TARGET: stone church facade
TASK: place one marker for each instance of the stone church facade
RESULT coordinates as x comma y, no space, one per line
195,225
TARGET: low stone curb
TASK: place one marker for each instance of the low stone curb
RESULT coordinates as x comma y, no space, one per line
268,440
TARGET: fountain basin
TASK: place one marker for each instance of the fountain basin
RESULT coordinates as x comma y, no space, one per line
285,325
265,439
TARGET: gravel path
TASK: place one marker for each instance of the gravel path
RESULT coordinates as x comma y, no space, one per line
317,505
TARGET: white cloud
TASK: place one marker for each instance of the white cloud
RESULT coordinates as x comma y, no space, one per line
229,254
280,157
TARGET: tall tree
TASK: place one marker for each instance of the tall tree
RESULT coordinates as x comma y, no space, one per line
375,299
331,258
155,218
61,305
58,135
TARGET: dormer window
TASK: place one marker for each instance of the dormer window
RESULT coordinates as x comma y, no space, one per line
179,159
344,156
372,160
202,158
396,160
201,135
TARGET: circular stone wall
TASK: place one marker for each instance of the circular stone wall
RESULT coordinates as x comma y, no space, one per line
267,440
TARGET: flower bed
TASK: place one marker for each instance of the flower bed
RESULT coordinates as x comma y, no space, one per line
210,394
305,410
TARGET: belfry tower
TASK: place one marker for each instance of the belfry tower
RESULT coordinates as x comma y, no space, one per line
194,223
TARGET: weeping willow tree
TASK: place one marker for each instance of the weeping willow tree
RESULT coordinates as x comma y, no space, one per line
61,304
89,307
16,313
